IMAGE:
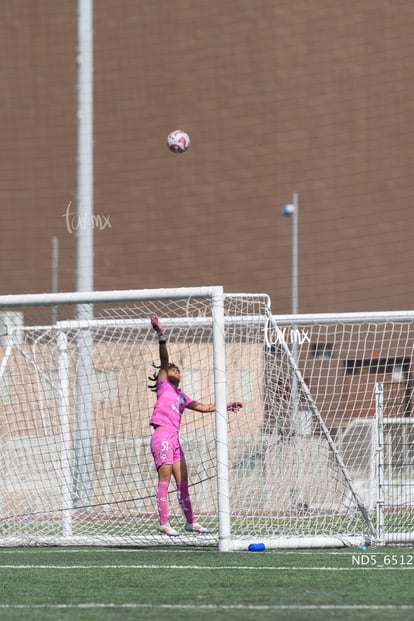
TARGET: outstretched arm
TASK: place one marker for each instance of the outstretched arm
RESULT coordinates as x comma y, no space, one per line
164,359
201,407
235,406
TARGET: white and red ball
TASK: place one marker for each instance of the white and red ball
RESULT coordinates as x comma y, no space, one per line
178,141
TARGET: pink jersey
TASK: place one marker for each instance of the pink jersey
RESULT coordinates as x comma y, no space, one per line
171,403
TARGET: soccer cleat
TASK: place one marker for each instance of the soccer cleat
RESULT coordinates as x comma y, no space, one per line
197,528
168,530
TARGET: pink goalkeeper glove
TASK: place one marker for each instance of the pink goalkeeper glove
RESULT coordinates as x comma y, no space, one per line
155,322
234,406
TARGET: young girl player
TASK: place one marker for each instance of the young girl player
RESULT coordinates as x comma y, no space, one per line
165,443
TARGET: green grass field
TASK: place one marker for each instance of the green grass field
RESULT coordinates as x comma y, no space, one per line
201,583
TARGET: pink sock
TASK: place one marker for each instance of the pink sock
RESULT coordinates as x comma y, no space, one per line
185,502
162,501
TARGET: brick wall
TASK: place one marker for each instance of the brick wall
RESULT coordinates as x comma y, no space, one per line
307,96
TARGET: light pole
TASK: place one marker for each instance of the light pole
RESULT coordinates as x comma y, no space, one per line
292,210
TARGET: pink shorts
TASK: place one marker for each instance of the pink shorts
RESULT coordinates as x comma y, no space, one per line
166,447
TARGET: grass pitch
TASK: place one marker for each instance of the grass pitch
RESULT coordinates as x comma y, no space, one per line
179,584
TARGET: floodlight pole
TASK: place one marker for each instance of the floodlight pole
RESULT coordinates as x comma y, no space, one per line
84,232
292,210
84,425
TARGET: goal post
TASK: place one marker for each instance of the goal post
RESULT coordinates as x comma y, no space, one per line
294,468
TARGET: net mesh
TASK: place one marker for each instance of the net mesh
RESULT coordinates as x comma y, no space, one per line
75,406
398,461
102,460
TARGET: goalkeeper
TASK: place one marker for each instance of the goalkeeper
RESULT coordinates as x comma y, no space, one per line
165,443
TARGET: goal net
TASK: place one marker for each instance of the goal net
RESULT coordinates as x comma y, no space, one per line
394,465
289,469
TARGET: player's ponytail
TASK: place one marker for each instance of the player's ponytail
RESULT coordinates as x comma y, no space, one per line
153,378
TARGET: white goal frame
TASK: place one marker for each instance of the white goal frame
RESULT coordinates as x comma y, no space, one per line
237,471
82,299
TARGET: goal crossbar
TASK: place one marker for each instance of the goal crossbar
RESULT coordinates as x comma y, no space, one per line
91,297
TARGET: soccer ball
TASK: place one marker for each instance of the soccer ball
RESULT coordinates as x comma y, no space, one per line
178,141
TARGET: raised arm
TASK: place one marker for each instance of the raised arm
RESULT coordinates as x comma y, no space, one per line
164,358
